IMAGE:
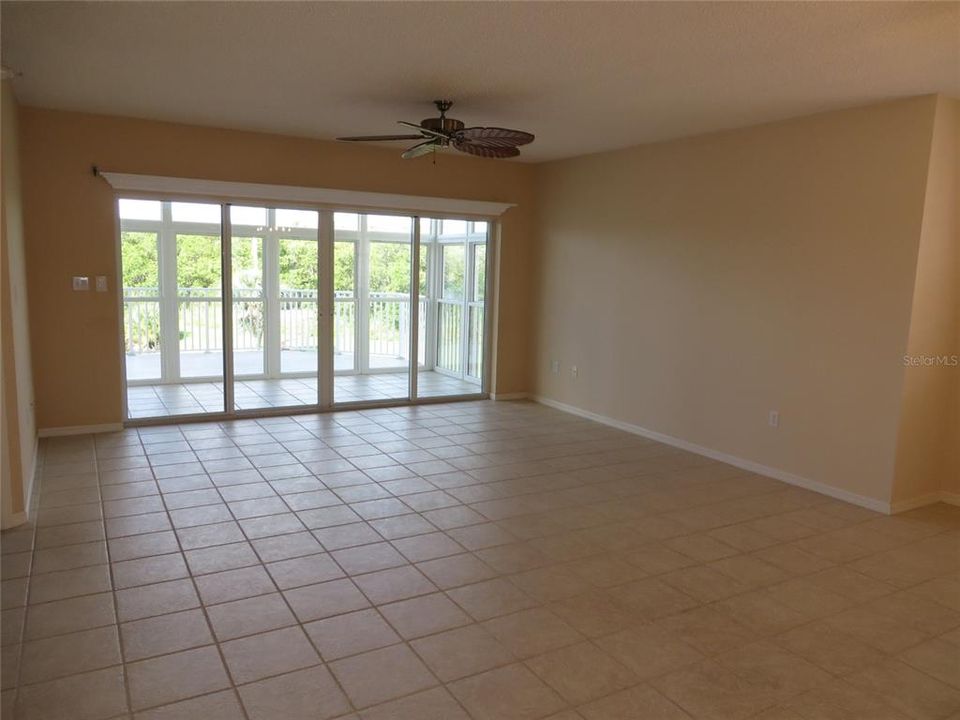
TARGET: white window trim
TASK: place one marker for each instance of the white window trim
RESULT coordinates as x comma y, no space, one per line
353,200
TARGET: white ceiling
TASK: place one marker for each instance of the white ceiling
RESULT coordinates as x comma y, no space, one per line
583,77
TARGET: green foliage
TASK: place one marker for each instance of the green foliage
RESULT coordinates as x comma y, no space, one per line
140,259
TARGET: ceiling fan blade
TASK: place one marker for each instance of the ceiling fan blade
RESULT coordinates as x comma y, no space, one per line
494,136
425,131
374,138
486,151
421,149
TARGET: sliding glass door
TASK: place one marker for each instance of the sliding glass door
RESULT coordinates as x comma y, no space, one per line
372,281
453,262
229,318
275,275
173,307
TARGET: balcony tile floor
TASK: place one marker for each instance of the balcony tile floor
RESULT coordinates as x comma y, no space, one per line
147,401
462,561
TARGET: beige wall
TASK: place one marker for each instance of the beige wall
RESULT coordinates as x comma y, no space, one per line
19,427
701,283
70,231
928,441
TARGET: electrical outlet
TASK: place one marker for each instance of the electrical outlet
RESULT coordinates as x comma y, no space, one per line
101,283
574,371
773,419
555,367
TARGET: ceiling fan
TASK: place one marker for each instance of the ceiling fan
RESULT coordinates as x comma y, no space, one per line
441,132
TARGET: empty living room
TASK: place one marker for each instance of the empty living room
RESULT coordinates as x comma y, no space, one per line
479,360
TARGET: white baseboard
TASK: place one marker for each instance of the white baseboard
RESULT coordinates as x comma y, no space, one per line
13,520
929,499
509,396
80,430
749,465
950,498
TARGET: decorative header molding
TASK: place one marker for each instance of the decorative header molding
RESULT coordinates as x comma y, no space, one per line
225,191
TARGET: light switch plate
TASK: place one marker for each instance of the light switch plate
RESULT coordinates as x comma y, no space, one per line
81,282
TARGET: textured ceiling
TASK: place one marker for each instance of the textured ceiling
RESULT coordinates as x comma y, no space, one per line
583,77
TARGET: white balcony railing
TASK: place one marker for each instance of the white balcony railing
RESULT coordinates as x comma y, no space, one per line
199,322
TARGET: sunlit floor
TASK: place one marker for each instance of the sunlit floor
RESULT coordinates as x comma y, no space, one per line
146,366
146,401
462,561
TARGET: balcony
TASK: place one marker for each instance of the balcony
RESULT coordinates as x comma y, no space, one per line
279,369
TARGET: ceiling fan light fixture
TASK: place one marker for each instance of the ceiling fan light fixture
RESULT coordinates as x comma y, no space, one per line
441,132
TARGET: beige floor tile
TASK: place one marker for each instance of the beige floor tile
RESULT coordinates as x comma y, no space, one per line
651,598
427,547
943,590
164,634
532,632
827,647
236,584
594,614
69,557
221,705
580,673
314,602
88,696
648,651
491,598
350,634
67,654
249,616
908,690
638,702
65,616
368,558
149,600
936,657
793,560
394,584
540,529
701,548
69,583
878,631
708,630
221,557
149,570
840,700
916,612
381,675
310,694
175,677
708,690
508,693
424,615
457,653
272,653
766,665
435,704
456,570
762,613
307,570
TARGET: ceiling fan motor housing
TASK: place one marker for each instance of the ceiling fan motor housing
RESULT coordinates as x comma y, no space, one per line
442,124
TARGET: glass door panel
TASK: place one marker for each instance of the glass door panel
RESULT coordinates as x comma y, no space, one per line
275,312
173,307
372,275
452,307
195,373
249,308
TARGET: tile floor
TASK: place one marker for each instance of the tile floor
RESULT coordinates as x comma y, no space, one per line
478,560
148,401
